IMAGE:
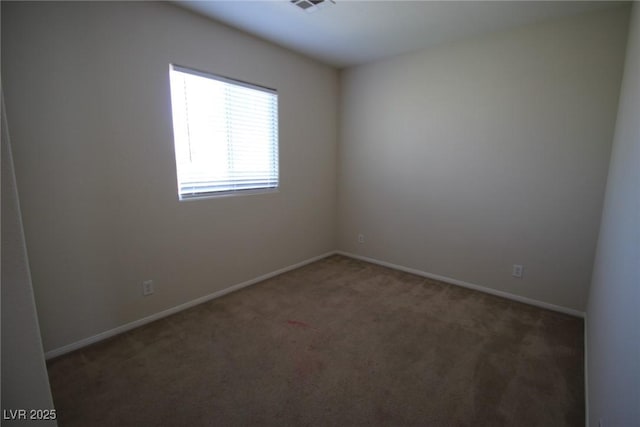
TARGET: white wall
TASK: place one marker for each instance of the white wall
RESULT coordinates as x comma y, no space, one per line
87,92
613,315
464,159
25,383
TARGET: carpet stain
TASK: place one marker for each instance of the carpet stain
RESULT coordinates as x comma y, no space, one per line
299,324
306,366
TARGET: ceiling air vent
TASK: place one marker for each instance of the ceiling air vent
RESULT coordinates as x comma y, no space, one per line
312,5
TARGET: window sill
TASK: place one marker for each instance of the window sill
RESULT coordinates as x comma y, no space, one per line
225,194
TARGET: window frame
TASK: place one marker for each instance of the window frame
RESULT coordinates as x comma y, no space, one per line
240,83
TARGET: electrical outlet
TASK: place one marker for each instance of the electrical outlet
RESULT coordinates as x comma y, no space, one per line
360,238
517,271
147,287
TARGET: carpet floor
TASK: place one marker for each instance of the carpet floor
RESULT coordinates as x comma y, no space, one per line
339,342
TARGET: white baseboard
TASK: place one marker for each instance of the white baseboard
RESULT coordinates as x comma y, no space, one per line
468,285
137,323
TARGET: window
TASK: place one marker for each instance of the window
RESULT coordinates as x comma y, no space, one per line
225,134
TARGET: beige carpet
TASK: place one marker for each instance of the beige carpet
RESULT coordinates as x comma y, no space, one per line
339,342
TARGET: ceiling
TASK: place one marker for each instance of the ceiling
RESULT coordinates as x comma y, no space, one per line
352,32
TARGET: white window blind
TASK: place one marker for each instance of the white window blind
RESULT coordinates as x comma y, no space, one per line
225,134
